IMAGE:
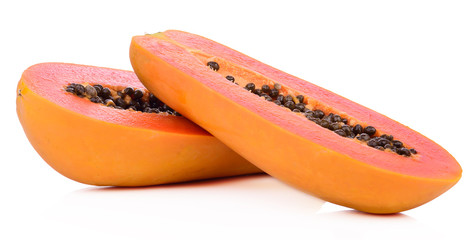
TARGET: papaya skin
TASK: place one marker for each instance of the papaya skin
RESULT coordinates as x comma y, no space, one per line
97,152
368,180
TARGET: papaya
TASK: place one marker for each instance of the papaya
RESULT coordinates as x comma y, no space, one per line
300,133
107,145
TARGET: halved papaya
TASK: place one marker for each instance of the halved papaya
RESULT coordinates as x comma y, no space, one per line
99,145
300,133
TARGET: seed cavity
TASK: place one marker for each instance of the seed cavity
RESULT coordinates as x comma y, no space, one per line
127,98
331,121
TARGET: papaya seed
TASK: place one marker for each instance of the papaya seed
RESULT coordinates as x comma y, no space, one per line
213,65
90,91
129,91
79,90
319,114
288,98
300,98
337,118
340,132
98,88
363,137
105,93
68,89
290,105
280,98
372,143
397,143
335,126
109,103
96,99
300,106
137,94
324,124
273,93
265,88
370,130
258,92
347,129
388,137
250,86
329,117
230,78
357,129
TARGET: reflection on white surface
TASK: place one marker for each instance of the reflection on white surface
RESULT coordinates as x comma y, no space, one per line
215,208
251,207
351,224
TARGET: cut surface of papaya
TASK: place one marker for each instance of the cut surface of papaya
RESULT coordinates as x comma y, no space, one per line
89,142
302,134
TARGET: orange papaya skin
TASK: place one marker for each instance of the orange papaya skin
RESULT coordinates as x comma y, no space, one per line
98,145
313,159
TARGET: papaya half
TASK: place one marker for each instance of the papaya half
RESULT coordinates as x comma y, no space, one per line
302,134
97,144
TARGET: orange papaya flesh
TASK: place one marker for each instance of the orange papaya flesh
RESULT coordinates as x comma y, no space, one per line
99,145
172,65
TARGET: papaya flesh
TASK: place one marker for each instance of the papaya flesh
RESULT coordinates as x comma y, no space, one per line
180,69
99,145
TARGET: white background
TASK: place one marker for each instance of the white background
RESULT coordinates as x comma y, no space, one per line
410,60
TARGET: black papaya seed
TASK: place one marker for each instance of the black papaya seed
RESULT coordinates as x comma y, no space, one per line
213,65
230,78
129,91
363,137
98,88
300,106
357,129
325,124
79,90
105,93
280,98
250,86
340,132
258,92
137,94
70,89
337,118
290,105
274,93
397,143
300,98
265,88
372,143
319,113
370,130
288,98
